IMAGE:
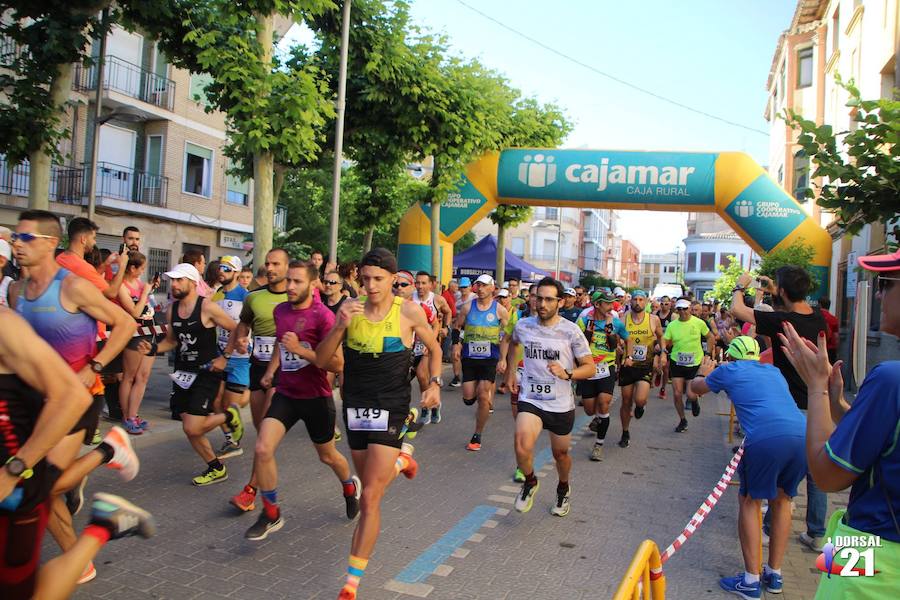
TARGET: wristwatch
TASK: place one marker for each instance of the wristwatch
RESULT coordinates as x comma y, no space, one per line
437,380
96,366
569,375
16,467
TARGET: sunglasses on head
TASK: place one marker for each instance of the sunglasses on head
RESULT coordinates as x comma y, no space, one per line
400,284
27,238
883,282
331,282
225,269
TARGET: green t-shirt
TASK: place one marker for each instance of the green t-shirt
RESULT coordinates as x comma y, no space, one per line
686,337
258,308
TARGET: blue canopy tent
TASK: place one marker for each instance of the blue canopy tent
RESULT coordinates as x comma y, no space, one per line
482,258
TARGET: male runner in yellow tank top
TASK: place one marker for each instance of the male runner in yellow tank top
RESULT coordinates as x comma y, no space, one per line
646,335
376,392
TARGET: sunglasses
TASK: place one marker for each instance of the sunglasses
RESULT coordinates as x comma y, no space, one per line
330,282
883,282
547,299
225,269
400,285
27,238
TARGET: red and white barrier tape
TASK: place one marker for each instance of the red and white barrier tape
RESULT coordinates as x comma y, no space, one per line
705,508
141,331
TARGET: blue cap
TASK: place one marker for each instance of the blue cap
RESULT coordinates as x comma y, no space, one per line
638,294
465,282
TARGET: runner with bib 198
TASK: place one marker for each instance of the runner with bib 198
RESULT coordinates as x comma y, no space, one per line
556,353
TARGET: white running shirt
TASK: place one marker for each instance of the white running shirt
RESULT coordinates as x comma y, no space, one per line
562,343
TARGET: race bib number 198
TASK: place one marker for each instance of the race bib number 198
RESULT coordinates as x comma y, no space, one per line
367,419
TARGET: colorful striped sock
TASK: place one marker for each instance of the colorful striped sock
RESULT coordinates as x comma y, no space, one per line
270,503
401,464
356,567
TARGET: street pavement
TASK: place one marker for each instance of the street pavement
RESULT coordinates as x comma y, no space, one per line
452,532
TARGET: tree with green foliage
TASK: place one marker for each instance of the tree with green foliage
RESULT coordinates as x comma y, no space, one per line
504,217
36,80
798,254
725,283
275,110
595,281
860,167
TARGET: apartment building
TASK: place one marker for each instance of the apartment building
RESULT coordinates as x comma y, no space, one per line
857,40
709,243
630,265
160,164
658,268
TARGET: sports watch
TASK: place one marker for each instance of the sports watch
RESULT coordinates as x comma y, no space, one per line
96,366
16,467
437,380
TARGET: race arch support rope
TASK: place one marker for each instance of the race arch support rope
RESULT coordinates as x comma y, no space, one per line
729,183
140,332
705,508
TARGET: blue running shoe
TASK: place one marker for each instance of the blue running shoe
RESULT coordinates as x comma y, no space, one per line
773,582
736,586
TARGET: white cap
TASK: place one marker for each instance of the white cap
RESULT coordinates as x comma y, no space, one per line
184,271
683,304
503,293
232,261
5,250
570,292
618,292
485,279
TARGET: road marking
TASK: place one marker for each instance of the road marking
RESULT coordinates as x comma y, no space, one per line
476,537
424,564
501,499
510,489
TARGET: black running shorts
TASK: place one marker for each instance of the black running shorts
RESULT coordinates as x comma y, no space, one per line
632,375
479,369
555,423
677,371
257,370
589,388
360,440
198,399
90,419
318,414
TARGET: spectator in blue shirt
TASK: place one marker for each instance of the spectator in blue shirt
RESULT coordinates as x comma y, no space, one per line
857,446
773,464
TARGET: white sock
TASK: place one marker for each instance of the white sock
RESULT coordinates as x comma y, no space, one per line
750,578
768,570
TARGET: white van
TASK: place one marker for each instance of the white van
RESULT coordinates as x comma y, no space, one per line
672,290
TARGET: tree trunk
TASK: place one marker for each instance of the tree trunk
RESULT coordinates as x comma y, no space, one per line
263,162
435,224
40,159
501,253
367,240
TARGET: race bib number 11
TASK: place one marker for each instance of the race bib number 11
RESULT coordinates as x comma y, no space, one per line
263,346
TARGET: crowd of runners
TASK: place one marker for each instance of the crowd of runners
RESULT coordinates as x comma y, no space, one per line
80,334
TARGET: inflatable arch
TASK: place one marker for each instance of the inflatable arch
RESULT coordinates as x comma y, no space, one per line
729,183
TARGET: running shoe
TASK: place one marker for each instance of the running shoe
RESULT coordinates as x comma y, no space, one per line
695,408
626,438
662,393
561,508
89,574
594,425
264,526
811,542
426,416
456,382
338,436
347,594
120,517
144,423
352,500
736,586
237,428
229,450
245,500
525,499
436,415
124,459
411,425
210,476
75,497
519,476
638,411
474,444
682,426
131,427
657,380
97,438
597,453
773,582
412,466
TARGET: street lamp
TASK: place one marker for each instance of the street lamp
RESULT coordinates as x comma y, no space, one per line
542,223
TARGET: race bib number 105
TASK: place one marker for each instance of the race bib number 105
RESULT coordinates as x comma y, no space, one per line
479,349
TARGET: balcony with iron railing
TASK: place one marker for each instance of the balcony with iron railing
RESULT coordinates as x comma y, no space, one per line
129,79
115,182
67,184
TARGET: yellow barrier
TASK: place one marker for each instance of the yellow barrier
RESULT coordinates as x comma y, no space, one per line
644,578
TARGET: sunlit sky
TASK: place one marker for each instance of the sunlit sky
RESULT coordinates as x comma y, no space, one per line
710,55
